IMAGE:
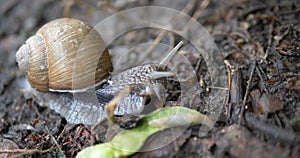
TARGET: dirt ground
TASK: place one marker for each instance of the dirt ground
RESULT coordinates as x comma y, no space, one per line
260,45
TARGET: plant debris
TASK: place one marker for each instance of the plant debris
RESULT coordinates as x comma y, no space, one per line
266,103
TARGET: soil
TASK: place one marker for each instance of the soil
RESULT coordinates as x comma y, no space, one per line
260,45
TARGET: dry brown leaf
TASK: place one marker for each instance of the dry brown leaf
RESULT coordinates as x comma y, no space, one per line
293,84
266,103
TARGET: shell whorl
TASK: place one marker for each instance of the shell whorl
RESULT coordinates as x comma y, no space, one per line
34,65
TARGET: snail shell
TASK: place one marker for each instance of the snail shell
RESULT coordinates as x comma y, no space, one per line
65,55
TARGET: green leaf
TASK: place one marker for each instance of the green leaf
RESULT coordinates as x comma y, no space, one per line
130,141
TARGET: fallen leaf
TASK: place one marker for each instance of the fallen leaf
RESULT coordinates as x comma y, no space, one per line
130,141
293,84
266,103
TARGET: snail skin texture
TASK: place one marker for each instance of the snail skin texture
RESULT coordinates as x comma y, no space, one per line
63,53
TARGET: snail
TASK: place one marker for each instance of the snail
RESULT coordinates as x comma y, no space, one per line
61,66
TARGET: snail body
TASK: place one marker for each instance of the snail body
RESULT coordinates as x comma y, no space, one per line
67,55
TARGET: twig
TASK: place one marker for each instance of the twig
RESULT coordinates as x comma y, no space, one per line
7,5
270,39
290,12
196,15
274,131
246,94
48,131
61,133
261,78
236,94
25,151
57,145
253,10
229,73
67,5
219,88
277,119
197,68
109,5
274,18
172,39
163,33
